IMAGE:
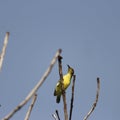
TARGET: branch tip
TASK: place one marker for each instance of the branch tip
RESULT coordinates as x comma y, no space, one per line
8,33
98,80
96,100
60,50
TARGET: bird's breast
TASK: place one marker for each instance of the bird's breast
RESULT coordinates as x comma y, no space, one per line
67,79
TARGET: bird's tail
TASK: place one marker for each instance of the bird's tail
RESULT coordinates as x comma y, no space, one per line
58,99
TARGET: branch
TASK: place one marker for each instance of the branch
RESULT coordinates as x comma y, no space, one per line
56,116
72,97
62,86
4,49
30,107
96,100
34,90
57,113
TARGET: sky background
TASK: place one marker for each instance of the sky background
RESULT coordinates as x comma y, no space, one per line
87,31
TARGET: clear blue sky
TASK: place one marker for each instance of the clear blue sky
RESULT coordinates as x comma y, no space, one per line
88,32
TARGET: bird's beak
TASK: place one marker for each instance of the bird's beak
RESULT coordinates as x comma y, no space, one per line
68,66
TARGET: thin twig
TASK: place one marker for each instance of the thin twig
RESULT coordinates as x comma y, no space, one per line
34,90
4,49
30,107
54,116
62,86
57,113
96,100
72,97
60,68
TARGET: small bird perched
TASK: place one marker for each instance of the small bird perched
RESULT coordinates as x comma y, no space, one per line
66,82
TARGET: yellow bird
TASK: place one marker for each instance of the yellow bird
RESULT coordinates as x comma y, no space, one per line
66,82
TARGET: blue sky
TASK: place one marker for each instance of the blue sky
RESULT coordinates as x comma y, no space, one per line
88,32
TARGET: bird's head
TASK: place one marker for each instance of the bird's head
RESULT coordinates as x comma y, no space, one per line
70,70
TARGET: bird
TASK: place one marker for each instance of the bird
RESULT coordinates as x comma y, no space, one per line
66,82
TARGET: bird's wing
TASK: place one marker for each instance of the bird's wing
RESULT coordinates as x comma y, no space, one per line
57,89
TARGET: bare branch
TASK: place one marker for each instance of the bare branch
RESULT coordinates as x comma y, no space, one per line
62,86
4,49
34,90
72,97
57,113
56,116
96,100
30,107
60,68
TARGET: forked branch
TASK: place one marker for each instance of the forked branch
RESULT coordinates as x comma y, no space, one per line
34,90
